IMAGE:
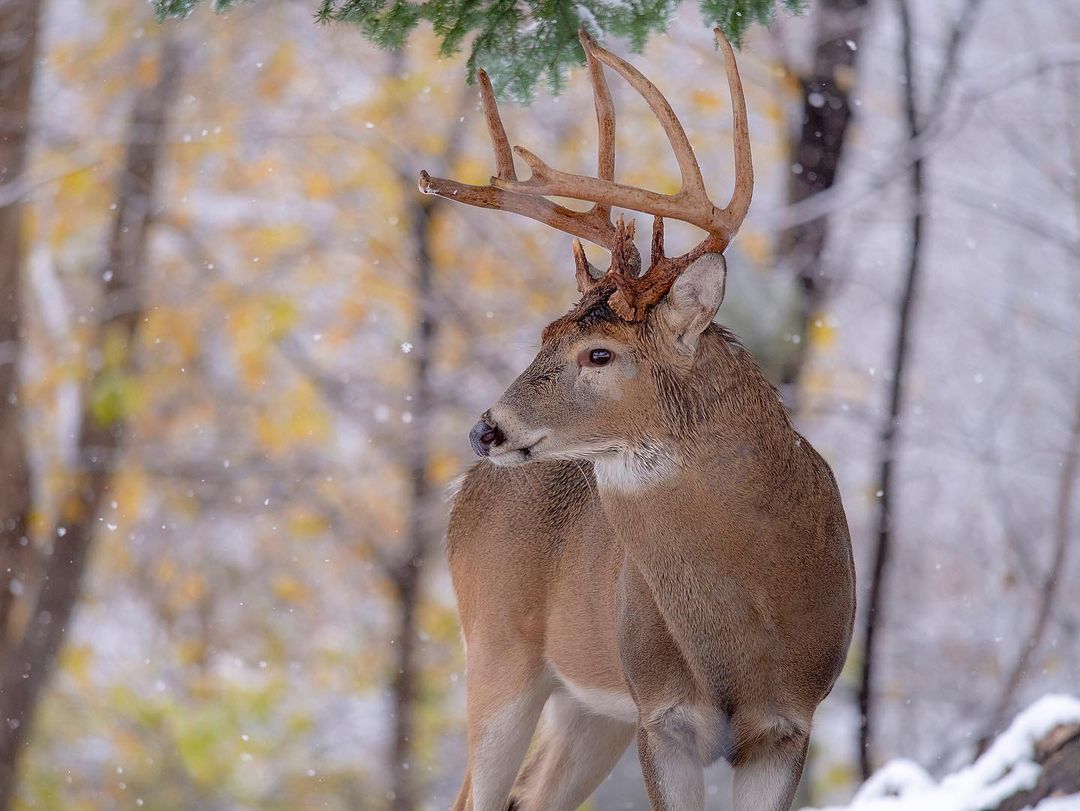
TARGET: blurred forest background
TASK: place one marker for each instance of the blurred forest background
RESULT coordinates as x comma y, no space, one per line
240,354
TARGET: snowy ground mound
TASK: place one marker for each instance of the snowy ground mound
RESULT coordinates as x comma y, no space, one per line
1010,766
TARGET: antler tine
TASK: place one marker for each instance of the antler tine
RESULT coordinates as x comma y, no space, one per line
594,225
605,118
693,185
735,211
657,253
504,159
624,256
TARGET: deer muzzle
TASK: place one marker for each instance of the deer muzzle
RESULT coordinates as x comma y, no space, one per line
485,435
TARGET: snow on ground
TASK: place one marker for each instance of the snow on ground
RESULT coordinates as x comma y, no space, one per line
1060,804
1007,767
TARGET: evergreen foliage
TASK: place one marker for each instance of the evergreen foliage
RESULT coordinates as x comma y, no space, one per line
519,42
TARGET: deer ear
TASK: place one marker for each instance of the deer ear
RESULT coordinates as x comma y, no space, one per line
693,300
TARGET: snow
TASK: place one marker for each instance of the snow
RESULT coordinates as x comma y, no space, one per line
1007,767
589,20
1060,804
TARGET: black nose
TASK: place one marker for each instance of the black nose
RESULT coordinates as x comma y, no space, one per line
485,435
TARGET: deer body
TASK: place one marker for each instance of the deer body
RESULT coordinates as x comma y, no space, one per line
650,551
703,603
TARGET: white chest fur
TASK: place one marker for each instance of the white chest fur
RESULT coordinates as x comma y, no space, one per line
635,469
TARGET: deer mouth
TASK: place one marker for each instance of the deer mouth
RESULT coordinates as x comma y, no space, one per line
515,456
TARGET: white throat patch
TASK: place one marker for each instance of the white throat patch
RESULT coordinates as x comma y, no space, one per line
636,469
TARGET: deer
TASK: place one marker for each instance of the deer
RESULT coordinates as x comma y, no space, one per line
647,549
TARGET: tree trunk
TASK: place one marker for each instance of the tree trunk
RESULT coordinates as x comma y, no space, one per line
27,667
826,115
404,695
887,438
409,573
19,21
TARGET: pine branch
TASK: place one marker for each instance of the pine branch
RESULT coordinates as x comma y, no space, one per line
519,42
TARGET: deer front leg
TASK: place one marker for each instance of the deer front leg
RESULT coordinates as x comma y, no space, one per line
462,801
767,774
506,693
670,762
576,750
677,732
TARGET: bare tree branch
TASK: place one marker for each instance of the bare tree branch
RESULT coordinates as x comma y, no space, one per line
1048,591
934,134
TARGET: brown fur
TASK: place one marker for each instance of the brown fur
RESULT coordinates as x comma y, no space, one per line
719,598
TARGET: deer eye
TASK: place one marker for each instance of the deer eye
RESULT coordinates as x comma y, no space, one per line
595,357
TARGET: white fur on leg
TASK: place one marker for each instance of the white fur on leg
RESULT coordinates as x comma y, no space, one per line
578,750
674,742
767,783
681,780
504,739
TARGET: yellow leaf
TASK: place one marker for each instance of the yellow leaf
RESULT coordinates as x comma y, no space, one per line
288,588
76,184
38,521
192,587
444,467
706,99
822,333
774,111
191,651
76,661
114,397
165,571
279,237
296,420
146,69
317,186
756,247
306,524
277,72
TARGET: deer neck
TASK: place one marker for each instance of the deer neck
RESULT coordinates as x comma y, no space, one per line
724,434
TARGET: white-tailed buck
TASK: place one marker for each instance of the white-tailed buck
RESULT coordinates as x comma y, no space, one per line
648,548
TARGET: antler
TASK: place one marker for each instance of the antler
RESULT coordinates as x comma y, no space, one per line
634,294
594,225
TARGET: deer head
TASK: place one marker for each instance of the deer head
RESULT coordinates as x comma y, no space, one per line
602,381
